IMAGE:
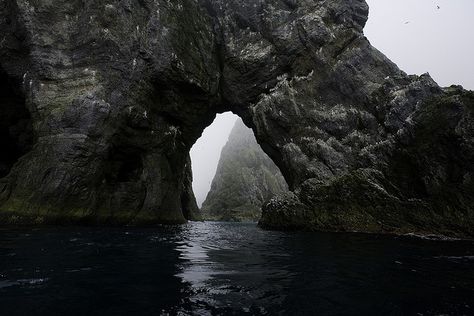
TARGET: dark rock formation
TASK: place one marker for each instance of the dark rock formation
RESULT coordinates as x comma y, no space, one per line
245,179
106,98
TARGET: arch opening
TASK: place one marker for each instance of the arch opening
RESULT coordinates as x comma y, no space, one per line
206,152
233,176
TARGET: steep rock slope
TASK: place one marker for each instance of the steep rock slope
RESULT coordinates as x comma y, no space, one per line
245,178
105,99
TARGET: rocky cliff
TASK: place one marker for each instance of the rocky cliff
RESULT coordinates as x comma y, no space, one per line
245,179
101,101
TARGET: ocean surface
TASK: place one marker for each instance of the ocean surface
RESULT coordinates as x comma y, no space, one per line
230,269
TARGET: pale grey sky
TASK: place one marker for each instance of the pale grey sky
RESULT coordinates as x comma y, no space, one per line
415,34
206,152
420,38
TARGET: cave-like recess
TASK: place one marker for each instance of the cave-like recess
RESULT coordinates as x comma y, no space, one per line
16,131
109,97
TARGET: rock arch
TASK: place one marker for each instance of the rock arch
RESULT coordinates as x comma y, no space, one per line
119,91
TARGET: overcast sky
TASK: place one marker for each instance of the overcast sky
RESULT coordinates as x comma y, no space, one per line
206,152
415,34
421,38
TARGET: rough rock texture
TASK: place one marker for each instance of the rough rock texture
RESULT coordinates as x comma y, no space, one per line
245,179
107,97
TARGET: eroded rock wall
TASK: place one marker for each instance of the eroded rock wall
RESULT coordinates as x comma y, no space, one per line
118,91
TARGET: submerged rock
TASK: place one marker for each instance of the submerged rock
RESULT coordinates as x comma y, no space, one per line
245,179
104,100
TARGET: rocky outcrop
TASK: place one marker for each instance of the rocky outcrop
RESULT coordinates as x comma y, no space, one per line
106,98
416,179
245,179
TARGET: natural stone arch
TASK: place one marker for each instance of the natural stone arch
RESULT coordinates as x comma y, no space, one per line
120,91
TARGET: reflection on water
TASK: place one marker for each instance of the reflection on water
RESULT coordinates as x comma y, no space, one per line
224,263
230,269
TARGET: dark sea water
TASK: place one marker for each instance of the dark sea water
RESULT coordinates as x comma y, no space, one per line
230,269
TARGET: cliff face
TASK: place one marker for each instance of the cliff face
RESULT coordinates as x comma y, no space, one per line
104,99
245,179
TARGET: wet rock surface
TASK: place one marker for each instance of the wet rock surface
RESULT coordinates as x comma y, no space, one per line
245,179
114,94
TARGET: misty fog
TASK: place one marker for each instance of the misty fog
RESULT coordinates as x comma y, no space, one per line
435,36
206,152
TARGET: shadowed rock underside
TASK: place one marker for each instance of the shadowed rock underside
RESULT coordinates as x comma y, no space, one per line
101,101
